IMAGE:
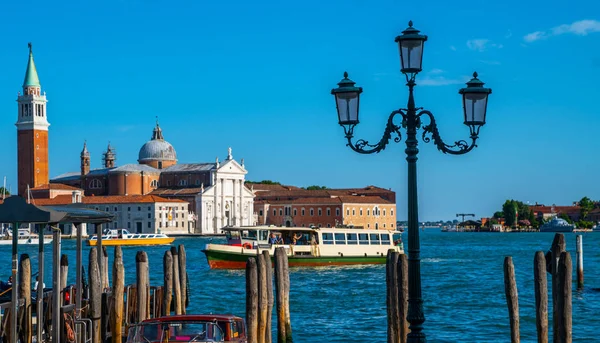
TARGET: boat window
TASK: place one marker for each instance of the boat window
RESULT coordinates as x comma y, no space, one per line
374,238
249,234
352,238
385,239
264,235
363,238
232,234
327,238
397,237
340,239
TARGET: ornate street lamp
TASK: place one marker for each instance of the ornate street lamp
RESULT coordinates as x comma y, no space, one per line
475,97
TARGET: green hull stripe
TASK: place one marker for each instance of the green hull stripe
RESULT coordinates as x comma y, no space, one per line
231,257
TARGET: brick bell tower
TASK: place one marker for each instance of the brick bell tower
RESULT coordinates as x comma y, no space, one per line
32,132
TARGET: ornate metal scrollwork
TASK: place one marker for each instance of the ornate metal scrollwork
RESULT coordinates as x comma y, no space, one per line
364,147
458,148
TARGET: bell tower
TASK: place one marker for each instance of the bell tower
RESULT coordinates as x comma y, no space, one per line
32,132
85,160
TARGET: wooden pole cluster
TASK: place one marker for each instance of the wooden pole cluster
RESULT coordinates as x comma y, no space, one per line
118,289
558,263
259,298
25,294
579,261
397,296
512,299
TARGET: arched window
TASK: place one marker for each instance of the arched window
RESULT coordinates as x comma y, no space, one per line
154,184
95,184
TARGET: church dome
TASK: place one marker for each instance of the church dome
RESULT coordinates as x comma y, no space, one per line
157,149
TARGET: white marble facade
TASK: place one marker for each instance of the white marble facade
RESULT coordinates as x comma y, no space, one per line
226,202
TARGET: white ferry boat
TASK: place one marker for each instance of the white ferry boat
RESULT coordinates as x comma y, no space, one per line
304,246
557,225
124,237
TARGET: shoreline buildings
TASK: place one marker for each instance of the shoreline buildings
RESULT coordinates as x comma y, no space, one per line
159,194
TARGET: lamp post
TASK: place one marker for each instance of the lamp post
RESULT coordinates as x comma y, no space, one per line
475,96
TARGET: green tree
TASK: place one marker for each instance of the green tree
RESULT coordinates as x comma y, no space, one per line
4,191
586,205
584,224
264,182
509,210
498,214
316,188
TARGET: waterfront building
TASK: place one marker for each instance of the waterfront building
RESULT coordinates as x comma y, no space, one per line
370,207
137,213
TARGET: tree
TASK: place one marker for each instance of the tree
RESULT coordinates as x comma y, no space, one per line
498,214
586,205
315,188
509,210
4,191
584,224
264,182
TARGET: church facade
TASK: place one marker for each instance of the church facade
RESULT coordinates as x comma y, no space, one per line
215,191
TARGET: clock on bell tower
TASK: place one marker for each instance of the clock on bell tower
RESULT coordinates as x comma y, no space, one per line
32,132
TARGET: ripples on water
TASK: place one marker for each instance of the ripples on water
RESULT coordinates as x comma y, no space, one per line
463,288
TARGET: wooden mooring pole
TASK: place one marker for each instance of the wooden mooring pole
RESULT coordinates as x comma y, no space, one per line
270,298
105,283
541,296
391,279
403,296
564,302
558,247
512,299
252,300
262,298
183,277
168,282
282,285
64,270
25,294
118,289
143,286
95,301
579,261
176,281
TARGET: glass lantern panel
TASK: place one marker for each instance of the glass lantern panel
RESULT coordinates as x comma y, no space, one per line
475,107
411,52
347,104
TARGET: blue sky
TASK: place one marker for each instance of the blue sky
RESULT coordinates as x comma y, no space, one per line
257,76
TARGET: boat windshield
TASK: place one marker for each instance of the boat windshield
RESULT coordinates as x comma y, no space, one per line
184,331
249,234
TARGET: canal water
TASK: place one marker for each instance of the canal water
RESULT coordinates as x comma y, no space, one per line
462,277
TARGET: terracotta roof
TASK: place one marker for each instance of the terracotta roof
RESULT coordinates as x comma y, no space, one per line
266,187
109,199
347,199
555,209
56,186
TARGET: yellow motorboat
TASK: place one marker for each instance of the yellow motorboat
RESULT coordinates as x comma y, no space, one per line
124,237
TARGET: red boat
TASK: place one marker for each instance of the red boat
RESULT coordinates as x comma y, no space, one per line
198,328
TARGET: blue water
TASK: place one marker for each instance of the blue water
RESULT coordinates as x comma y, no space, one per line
462,277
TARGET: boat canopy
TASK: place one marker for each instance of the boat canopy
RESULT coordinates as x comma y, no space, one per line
269,228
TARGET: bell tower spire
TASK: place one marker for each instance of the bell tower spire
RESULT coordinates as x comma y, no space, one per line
85,160
32,131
